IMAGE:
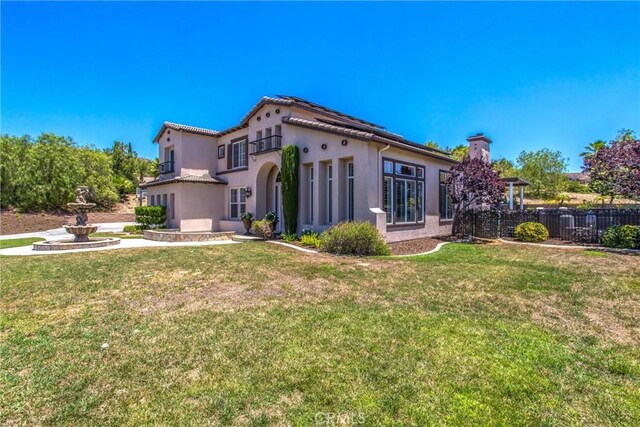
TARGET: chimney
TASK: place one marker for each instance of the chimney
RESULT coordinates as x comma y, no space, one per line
479,147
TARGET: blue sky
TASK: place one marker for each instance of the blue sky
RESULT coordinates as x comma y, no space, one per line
529,75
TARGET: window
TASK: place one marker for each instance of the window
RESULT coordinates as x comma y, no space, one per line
329,194
350,191
446,207
403,192
311,195
239,154
172,205
388,198
237,202
221,151
152,200
164,200
406,170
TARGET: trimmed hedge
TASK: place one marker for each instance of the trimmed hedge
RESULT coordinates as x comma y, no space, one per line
531,232
289,178
622,236
151,216
359,238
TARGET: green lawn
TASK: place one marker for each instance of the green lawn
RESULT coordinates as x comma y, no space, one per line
14,243
257,334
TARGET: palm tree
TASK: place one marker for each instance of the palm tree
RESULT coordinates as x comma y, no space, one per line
592,148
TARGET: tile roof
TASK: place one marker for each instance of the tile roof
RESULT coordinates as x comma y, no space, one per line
202,179
184,128
367,136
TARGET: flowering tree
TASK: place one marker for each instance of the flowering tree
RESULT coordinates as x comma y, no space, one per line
471,183
614,169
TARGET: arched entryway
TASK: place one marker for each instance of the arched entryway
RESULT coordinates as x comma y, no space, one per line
269,192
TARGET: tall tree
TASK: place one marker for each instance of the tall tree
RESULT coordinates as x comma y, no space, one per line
459,152
545,170
505,167
473,182
615,168
289,178
592,148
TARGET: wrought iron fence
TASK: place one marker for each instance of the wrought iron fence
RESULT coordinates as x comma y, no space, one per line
580,225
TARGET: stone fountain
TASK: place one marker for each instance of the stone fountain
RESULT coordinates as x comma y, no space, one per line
80,230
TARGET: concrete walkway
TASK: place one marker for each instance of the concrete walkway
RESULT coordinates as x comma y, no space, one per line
57,233
124,244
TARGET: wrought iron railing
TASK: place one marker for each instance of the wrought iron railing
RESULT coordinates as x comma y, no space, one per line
263,145
165,167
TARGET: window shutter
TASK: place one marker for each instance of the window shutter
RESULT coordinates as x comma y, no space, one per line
229,154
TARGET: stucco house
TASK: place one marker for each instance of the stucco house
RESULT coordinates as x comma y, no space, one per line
350,169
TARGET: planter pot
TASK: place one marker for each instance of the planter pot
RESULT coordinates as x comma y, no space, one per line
247,225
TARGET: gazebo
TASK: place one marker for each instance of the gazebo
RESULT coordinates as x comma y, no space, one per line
515,182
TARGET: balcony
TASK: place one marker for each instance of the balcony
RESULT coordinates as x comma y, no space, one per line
165,168
265,145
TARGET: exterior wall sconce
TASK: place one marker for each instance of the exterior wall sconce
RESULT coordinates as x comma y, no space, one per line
247,192
344,142
323,146
305,150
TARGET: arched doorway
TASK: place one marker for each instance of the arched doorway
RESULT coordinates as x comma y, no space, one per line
269,192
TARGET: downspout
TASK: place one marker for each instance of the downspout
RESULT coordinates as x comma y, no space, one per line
379,169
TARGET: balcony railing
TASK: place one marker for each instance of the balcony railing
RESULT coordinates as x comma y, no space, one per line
166,167
263,145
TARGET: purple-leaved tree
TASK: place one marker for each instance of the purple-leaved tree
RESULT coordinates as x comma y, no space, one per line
471,183
614,169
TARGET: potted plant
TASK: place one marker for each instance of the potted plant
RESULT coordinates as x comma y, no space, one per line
247,221
272,218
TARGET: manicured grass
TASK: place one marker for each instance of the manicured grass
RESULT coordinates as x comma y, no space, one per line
14,243
258,334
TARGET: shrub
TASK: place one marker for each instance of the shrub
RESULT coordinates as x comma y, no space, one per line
353,238
289,237
289,175
531,232
307,232
151,216
622,236
262,229
246,216
310,240
137,229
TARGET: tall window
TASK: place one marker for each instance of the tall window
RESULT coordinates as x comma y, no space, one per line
403,192
237,202
446,207
152,200
239,154
350,191
329,194
311,195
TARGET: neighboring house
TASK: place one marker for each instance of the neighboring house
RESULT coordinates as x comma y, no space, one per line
350,169
581,177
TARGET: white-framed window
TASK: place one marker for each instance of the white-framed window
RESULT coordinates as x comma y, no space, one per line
152,200
237,202
403,192
311,195
350,191
329,194
239,154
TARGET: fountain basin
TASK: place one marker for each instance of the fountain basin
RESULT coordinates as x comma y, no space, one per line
77,206
62,245
81,232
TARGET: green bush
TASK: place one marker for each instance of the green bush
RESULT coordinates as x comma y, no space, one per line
622,236
531,232
246,216
310,240
289,176
272,217
576,187
289,237
353,238
151,216
262,228
137,229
